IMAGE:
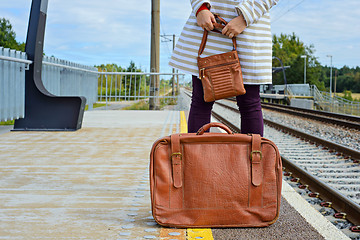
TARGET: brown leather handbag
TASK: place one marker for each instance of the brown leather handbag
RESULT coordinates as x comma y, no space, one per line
215,180
220,74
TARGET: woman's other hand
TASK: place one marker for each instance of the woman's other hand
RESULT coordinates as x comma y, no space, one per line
205,19
234,27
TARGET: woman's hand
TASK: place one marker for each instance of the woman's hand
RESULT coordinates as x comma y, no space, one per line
205,19
234,27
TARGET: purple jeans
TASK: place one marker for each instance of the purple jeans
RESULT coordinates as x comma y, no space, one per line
249,106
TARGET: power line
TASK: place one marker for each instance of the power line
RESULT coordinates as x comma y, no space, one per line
290,9
166,40
280,8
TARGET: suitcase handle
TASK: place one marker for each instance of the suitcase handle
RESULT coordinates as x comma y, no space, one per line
213,124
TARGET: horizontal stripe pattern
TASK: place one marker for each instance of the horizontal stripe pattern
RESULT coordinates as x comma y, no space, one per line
254,45
196,4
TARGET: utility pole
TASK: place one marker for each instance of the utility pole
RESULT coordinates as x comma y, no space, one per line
166,39
330,56
155,55
173,70
304,56
335,83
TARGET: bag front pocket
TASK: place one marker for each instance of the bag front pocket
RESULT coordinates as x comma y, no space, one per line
223,81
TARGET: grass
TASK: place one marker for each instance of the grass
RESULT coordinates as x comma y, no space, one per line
141,105
355,96
144,105
10,122
95,105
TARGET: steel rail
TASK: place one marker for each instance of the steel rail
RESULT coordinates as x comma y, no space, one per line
325,113
331,145
338,119
339,202
326,193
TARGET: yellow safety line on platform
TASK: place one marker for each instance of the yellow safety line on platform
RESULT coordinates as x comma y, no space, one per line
183,123
194,234
203,233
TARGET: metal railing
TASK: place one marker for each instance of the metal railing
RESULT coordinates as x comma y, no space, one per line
125,86
335,103
61,78
12,84
64,78
340,105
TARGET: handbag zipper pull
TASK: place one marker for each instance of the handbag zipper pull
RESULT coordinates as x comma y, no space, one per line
202,73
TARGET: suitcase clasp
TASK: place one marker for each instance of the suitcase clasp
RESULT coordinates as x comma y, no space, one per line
253,152
177,154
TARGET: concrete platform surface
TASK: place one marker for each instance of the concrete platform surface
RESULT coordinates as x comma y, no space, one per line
93,184
88,184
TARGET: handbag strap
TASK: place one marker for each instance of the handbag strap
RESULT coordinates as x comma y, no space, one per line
221,23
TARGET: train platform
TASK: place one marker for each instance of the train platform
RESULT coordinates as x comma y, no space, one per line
94,184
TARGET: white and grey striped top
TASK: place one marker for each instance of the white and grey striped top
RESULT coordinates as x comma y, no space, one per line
254,43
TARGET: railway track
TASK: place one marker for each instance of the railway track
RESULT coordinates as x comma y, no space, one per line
345,151
324,171
349,121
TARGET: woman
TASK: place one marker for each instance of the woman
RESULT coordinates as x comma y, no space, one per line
249,21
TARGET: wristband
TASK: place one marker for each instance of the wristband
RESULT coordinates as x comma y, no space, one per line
203,7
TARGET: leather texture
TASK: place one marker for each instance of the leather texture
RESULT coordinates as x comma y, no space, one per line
215,180
220,74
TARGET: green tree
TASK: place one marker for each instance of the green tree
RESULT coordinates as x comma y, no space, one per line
127,84
346,78
8,36
347,95
289,49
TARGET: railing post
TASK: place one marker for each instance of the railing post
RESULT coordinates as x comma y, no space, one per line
106,89
131,76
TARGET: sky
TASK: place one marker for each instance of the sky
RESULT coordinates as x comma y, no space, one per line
118,31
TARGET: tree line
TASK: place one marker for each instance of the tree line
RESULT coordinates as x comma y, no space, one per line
290,49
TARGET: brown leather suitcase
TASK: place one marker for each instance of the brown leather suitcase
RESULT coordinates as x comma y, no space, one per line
215,180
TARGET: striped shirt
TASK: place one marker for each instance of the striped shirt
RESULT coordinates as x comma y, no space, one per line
254,43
